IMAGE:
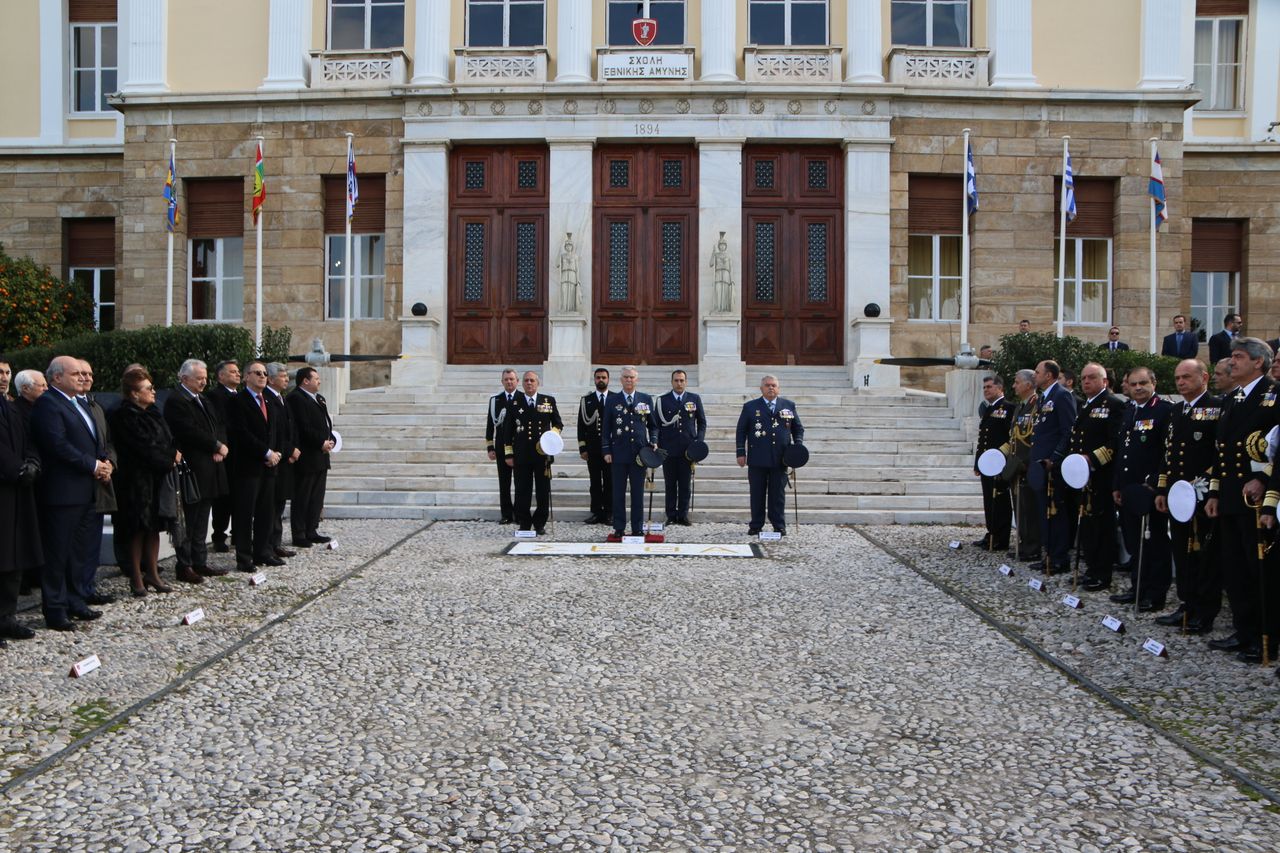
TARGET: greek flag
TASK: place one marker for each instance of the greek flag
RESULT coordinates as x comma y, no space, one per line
970,181
1069,192
353,186
1155,189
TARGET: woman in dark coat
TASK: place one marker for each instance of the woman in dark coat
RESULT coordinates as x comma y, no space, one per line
147,453
19,532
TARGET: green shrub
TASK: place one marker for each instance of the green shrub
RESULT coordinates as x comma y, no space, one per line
1027,349
161,350
37,307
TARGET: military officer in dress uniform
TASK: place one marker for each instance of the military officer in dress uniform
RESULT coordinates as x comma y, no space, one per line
1094,436
1189,455
993,431
531,414
681,420
1139,456
767,426
1018,451
590,428
628,426
497,415
1237,491
1049,439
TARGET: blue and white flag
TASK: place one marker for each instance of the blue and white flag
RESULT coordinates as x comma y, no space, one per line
970,181
1155,189
353,186
1069,192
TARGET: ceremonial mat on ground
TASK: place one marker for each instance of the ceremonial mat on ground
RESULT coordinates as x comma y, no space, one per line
618,549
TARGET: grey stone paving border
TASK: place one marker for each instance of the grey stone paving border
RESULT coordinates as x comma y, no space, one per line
187,675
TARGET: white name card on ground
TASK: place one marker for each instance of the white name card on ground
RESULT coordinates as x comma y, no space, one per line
1036,584
770,536
632,540
1156,648
526,534
332,545
1006,570
654,526
954,544
257,579
85,666
627,549
193,617
1072,601
1113,623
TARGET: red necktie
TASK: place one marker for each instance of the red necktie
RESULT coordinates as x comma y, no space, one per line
262,404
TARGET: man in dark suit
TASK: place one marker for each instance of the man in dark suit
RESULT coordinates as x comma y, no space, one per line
1113,340
105,500
766,427
221,394
73,460
255,455
628,426
314,429
202,439
531,414
286,432
590,428
20,549
995,415
1050,439
1181,343
1238,489
680,420
1094,435
498,405
1220,344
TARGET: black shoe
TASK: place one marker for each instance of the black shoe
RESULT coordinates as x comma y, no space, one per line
302,543
1151,605
1124,597
1094,584
541,531
269,561
100,598
1196,628
1037,560
753,531
781,531
1252,654
1174,618
684,522
206,572
64,625
506,519
247,568
221,547
86,615
11,630
284,553
1227,644
672,520
320,540
980,543
591,519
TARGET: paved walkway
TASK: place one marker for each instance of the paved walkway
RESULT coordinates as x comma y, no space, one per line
824,698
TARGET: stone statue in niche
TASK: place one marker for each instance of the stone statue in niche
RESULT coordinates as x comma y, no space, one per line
568,266
723,266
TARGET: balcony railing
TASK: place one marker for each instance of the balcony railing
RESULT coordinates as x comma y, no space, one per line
939,66
358,69
500,65
792,64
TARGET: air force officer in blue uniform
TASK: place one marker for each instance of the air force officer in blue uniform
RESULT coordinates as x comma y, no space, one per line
681,420
766,427
628,426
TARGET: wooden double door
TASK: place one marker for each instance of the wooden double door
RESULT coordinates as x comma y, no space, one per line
498,263
793,259
644,257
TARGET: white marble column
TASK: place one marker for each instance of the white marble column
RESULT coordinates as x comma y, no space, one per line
866,269
1264,76
573,41
1009,37
288,44
143,37
431,42
569,212
426,270
719,34
1162,44
53,72
720,363
864,42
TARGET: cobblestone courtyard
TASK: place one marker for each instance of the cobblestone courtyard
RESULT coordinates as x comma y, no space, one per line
446,697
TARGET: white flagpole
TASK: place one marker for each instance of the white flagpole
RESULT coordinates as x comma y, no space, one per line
257,323
168,285
964,246
1062,239
346,274
1151,202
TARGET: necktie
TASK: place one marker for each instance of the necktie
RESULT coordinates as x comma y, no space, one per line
628,399
199,402
772,407
320,400
1179,336
262,405
87,414
600,399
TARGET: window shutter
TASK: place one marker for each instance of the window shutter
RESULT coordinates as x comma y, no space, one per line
215,207
91,11
371,208
91,242
1212,8
1217,245
1095,207
935,204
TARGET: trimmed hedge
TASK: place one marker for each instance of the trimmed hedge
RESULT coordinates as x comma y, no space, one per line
161,350
1027,349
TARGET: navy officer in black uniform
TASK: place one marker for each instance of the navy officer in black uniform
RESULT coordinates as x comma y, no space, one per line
628,426
767,426
1094,435
590,429
996,417
495,422
1049,441
681,420
531,414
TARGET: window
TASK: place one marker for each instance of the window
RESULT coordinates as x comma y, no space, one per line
1217,260
931,23
368,247
1087,298
505,23
91,262
934,209
1218,65
668,13
366,24
94,66
788,22
215,256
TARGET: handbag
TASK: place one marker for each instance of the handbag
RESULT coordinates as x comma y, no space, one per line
187,484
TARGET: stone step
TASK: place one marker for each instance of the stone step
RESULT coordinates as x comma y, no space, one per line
807,516
578,485
881,455
703,500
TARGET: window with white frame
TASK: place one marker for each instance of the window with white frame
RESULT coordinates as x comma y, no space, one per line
101,282
930,23
506,23
215,275
1087,295
1214,295
933,277
669,15
1219,48
787,22
366,24
94,68
368,275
